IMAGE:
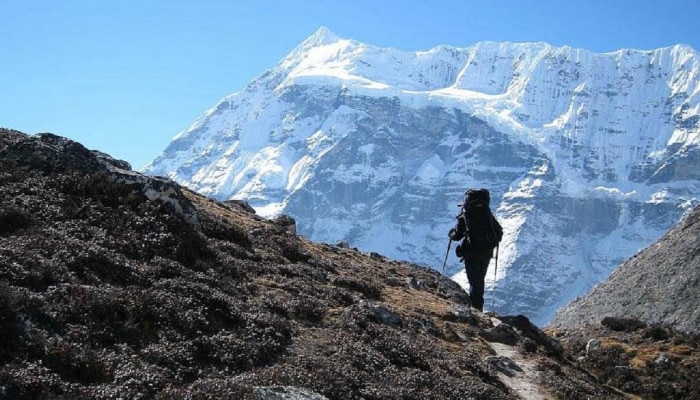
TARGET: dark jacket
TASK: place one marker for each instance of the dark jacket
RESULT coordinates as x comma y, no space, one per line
470,251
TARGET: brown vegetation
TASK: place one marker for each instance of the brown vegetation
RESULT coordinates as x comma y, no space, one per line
652,362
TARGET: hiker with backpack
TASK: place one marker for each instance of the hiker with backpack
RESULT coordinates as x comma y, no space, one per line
480,233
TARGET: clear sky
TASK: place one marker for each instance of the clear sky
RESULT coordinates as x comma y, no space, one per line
125,76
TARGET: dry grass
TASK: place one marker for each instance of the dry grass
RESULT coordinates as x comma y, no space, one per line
653,362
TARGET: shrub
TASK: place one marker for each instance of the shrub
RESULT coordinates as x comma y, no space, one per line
9,328
12,219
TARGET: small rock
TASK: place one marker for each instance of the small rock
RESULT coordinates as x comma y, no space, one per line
285,393
414,283
662,360
529,345
382,314
504,364
501,333
592,345
459,313
287,222
623,324
242,204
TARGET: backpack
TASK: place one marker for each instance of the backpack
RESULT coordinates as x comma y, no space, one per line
482,233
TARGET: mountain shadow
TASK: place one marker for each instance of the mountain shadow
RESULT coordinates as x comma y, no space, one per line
118,285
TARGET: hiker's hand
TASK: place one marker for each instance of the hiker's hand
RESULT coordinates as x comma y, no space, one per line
451,234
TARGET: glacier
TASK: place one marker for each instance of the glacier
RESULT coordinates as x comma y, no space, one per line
589,157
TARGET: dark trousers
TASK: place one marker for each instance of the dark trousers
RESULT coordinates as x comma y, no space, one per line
476,273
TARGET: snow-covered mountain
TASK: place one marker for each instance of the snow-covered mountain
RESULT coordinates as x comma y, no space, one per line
590,157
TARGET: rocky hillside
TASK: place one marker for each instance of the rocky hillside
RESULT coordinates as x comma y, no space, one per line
645,361
118,285
666,281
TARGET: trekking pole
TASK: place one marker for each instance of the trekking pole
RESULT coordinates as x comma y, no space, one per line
447,253
493,289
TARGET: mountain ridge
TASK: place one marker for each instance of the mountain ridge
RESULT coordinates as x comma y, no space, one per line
376,146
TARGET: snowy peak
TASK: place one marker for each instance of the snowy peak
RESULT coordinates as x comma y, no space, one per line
511,72
318,48
323,36
589,156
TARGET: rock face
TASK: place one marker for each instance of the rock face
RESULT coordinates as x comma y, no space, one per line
589,157
660,284
118,285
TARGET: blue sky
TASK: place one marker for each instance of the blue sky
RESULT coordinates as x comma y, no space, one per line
125,76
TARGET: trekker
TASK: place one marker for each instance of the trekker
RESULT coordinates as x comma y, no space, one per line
480,233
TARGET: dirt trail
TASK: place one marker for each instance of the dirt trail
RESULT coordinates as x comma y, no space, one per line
516,371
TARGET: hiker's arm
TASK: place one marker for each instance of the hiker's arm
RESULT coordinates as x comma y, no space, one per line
457,233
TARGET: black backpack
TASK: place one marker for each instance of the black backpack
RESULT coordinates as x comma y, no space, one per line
483,234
